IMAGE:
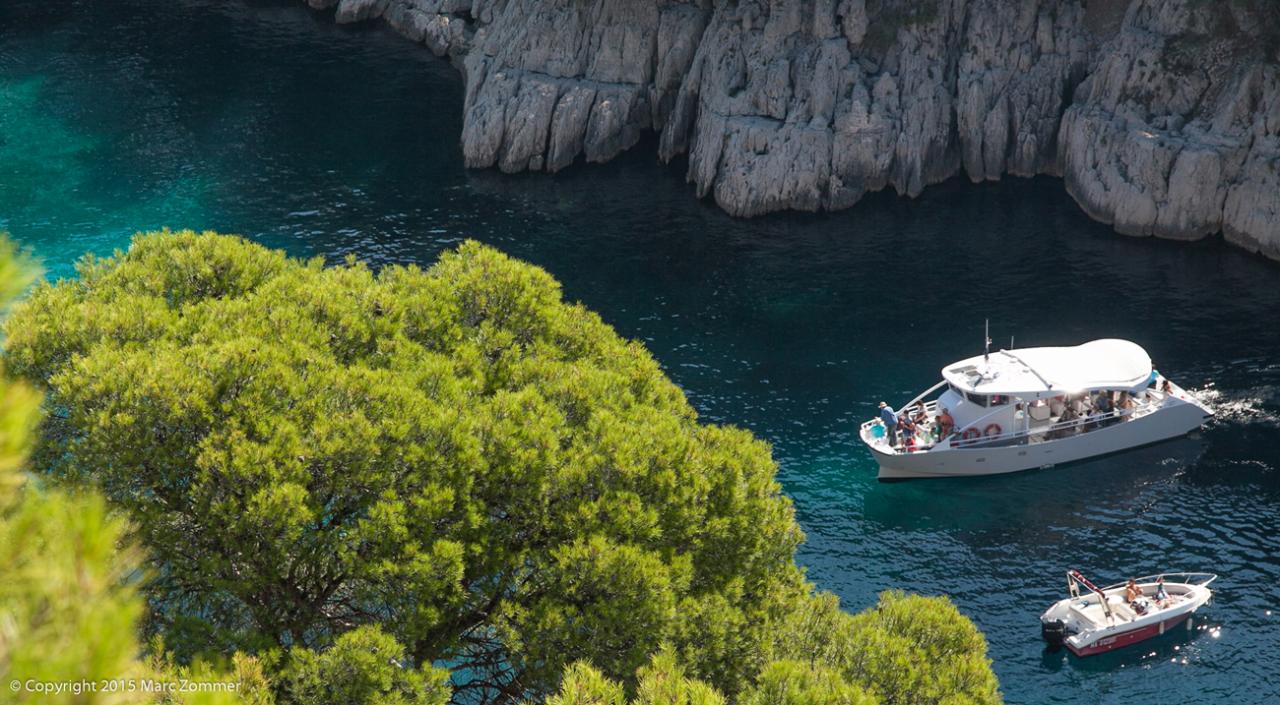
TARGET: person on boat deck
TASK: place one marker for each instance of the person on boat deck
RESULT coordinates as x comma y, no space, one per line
946,424
1080,405
1161,596
921,419
919,415
1104,406
908,429
1167,387
1057,406
1063,426
890,421
1131,591
1126,403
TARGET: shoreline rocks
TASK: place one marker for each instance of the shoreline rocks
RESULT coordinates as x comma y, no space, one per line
1161,116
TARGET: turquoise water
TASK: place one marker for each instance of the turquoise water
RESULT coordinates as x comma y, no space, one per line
267,120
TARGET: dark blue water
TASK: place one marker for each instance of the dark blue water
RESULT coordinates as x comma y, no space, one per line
266,120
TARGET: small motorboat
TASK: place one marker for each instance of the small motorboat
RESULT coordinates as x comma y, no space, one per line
1031,408
1094,620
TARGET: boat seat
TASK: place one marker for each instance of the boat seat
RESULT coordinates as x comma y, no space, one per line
1083,616
1123,611
1038,413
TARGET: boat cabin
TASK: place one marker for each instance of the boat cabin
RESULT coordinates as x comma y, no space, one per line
1033,395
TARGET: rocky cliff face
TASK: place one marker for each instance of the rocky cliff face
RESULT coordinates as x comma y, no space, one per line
1162,116
1176,130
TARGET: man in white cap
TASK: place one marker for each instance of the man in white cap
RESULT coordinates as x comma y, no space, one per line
890,421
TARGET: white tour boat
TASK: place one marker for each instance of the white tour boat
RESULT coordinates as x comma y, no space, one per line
1103,619
1032,408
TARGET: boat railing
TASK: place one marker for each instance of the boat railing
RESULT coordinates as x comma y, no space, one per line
1027,434
1081,424
1200,579
930,407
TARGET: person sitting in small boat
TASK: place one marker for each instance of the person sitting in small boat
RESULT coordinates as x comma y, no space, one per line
1162,597
946,424
890,421
1132,592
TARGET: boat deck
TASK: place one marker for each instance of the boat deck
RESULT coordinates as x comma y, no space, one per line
1036,430
1089,609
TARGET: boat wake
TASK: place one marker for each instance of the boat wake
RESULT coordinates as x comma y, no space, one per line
1257,408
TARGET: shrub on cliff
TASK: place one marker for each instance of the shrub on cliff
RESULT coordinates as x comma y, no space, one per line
451,462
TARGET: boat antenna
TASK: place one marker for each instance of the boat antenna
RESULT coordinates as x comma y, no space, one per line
1011,342
986,336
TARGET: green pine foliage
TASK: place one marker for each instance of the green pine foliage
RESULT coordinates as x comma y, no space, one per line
207,680
662,681
63,609
906,650
362,477
69,610
805,683
66,611
364,665
19,403
491,475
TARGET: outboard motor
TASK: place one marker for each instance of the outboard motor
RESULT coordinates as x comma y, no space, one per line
1054,632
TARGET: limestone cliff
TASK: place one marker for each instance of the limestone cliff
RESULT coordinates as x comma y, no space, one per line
1162,116
1176,130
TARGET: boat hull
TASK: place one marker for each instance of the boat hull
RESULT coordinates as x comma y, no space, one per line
1165,424
1128,638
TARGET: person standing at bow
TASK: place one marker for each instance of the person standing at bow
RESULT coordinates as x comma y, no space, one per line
890,421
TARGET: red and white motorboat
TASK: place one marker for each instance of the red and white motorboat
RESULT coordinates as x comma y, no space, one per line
1093,620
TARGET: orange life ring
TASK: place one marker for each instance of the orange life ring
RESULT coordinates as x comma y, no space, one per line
992,430
970,434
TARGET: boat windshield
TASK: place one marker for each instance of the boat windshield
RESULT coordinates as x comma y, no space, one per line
979,399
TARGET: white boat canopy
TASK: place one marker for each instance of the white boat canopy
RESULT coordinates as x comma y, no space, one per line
1043,372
